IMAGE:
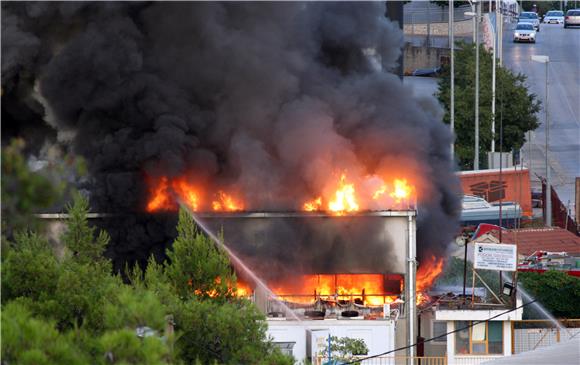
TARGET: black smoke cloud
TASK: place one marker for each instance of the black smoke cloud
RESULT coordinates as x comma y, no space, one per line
267,98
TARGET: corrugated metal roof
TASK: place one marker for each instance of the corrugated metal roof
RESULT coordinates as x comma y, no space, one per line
545,239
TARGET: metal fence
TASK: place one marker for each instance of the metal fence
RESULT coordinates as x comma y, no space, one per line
394,360
528,335
424,12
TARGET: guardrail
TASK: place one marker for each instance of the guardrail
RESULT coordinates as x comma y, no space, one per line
392,360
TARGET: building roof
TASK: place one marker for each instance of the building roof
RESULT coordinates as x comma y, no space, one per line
529,240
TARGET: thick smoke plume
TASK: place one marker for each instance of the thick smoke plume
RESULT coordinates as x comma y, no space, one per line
267,99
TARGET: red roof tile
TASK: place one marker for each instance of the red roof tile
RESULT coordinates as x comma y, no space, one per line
546,239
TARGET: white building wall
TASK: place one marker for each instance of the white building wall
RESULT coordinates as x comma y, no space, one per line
378,335
450,342
507,338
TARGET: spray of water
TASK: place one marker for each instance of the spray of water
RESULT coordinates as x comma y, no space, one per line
240,265
536,304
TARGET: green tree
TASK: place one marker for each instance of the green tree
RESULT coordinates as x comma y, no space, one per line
542,7
78,296
515,108
229,333
28,340
123,347
80,238
346,349
556,290
212,324
23,191
198,267
29,270
77,303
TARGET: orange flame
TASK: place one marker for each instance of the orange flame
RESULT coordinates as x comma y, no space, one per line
382,190
313,205
165,193
368,288
225,202
369,191
160,197
187,193
344,198
427,273
402,190
243,289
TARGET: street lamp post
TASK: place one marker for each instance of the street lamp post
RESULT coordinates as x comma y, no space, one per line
476,16
548,218
452,78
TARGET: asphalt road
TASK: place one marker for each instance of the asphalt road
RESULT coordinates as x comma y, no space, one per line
563,48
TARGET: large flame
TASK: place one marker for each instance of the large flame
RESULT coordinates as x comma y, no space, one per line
305,289
160,199
401,190
225,202
344,197
347,194
165,193
427,273
370,191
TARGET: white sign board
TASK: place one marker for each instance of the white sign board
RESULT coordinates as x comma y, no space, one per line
491,256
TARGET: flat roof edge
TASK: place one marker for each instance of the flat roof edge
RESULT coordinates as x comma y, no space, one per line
374,213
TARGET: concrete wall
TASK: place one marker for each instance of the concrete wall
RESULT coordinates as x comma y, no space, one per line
463,27
423,57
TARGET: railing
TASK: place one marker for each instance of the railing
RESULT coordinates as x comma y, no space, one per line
474,360
393,360
425,13
528,335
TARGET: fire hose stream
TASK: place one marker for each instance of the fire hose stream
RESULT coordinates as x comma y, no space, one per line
238,263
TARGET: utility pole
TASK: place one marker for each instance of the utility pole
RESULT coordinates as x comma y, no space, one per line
452,77
477,17
500,34
548,211
495,34
548,180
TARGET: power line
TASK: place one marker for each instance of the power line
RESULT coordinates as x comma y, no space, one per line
440,336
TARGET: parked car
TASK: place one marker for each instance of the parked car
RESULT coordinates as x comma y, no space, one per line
554,17
572,18
530,17
524,32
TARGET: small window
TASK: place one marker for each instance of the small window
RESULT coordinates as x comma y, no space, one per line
439,329
285,347
462,338
495,340
485,338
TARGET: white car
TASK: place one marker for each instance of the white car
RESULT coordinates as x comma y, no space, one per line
530,17
554,17
525,32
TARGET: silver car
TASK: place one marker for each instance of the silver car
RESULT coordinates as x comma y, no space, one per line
525,32
530,17
554,17
572,18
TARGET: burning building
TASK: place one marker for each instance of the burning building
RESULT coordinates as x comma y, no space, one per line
232,108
